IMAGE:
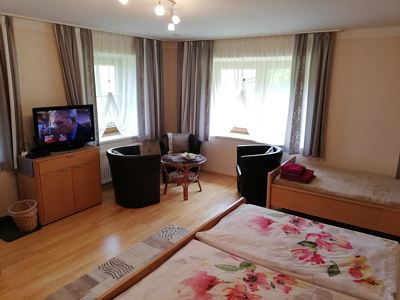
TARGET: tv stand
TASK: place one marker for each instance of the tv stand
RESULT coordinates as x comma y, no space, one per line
67,147
63,183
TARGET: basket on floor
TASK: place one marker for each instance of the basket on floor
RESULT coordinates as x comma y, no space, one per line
24,214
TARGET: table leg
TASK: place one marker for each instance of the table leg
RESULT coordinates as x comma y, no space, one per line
185,191
185,183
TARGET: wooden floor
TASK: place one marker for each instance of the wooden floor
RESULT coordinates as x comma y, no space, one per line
36,265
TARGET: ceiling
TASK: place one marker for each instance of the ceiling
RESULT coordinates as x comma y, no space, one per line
212,19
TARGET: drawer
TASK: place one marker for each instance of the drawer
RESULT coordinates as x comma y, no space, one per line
67,161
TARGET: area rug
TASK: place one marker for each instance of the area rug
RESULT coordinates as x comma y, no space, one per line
9,231
107,275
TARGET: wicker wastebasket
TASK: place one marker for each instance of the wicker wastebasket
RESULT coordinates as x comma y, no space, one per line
24,214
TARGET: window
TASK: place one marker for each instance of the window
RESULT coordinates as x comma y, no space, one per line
115,75
250,89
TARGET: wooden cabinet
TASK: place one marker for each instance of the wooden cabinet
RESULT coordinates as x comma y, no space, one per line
63,183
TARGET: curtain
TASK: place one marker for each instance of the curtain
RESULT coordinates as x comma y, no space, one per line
115,76
88,78
194,87
317,91
150,88
297,86
6,159
250,87
68,51
10,102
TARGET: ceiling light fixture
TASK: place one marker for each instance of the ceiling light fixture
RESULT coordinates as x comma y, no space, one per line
124,2
171,27
160,9
174,19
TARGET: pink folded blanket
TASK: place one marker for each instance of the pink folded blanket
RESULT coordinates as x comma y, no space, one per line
293,168
306,177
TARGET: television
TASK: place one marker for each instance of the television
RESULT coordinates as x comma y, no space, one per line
59,128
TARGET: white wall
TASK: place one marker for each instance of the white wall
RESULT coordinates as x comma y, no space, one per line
170,51
363,125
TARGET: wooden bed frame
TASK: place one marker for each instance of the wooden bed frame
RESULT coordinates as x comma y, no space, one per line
135,277
362,214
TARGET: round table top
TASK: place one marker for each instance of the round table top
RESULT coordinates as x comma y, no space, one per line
179,158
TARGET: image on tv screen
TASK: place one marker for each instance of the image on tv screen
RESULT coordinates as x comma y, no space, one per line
66,125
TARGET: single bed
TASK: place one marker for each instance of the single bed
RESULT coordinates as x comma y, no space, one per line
338,261
355,198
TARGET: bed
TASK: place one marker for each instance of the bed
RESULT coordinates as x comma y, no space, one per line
199,271
355,198
314,260
359,264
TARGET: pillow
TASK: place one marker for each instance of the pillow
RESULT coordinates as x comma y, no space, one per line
178,142
150,147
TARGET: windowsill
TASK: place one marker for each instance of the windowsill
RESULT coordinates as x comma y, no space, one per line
242,138
114,138
236,137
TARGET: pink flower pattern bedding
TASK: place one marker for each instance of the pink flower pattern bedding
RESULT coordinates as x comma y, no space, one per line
347,261
201,272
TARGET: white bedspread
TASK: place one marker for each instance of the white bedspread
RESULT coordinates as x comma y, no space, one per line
358,264
201,272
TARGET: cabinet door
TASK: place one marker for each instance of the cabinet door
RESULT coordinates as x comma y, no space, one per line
87,185
57,194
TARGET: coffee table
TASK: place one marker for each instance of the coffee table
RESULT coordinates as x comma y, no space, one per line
187,170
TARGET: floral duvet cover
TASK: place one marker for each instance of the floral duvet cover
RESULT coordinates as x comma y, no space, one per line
347,261
201,272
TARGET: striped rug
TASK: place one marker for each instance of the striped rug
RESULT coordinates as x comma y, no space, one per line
106,275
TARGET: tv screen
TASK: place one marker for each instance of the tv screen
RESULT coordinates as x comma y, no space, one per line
62,126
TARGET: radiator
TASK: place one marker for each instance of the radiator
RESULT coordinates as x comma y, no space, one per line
104,167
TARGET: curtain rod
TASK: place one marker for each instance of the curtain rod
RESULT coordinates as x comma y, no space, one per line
166,40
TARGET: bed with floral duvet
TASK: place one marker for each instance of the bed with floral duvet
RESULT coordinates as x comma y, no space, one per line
341,260
202,272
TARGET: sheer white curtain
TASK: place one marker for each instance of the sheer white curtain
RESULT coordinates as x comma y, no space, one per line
115,75
251,86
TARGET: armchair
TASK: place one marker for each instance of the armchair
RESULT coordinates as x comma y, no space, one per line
135,177
193,146
253,164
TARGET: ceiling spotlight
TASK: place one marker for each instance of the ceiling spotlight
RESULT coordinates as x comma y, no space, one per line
124,2
160,9
171,27
175,19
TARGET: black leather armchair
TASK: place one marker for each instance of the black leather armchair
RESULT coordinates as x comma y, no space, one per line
253,164
135,177
194,144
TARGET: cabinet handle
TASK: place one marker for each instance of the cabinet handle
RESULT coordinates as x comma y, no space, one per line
65,169
78,166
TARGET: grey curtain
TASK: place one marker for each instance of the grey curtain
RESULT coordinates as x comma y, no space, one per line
68,51
88,80
194,87
398,169
6,159
150,88
11,109
293,128
317,92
